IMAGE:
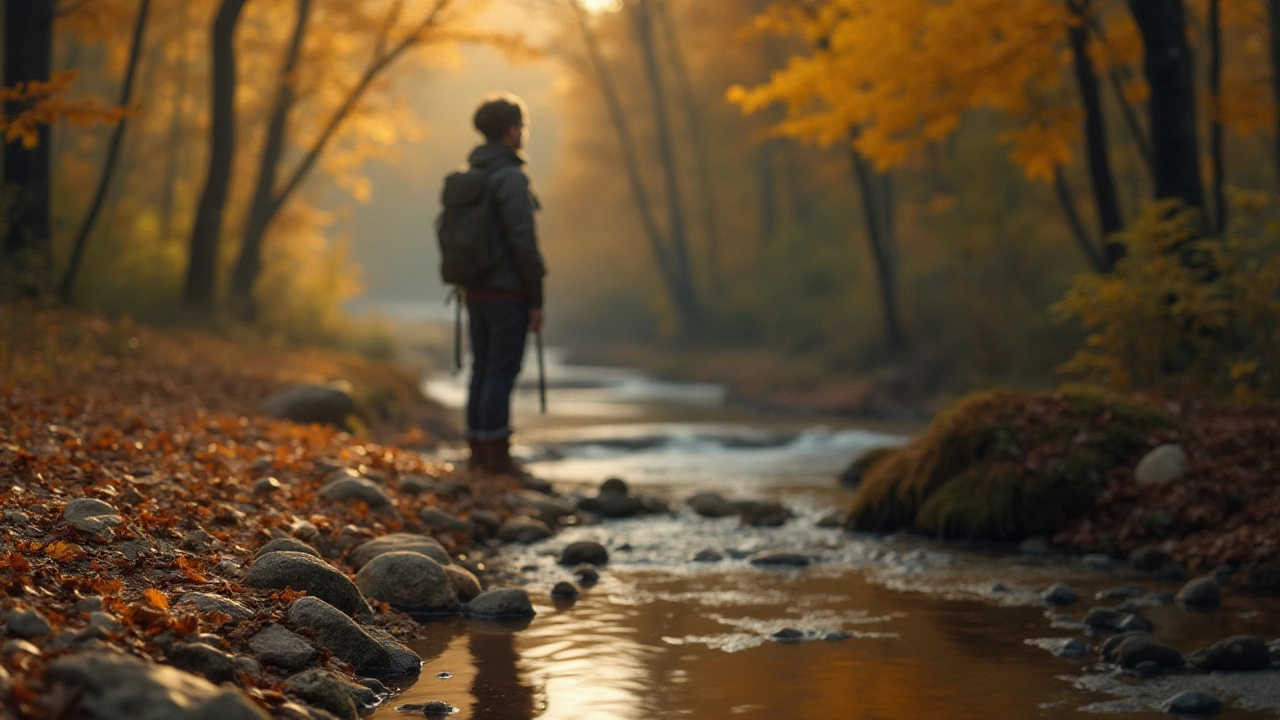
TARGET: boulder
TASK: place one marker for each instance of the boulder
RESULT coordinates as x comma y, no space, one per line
27,624
1162,465
1193,702
1060,594
780,559
279,646
763,514
409,581
1202,592
507,602
1240,653
324,690
523,530
349,487
465,585
284,570
370,650
397,542
307,403
209,603
1144,648
711,505
216,666
92,516
286,544
437,519
584,551
115,686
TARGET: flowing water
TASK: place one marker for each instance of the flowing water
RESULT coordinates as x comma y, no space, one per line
891,628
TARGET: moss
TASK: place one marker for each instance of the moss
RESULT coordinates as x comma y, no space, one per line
857,470
1005,465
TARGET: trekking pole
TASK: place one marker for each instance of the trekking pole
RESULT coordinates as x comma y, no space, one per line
542,373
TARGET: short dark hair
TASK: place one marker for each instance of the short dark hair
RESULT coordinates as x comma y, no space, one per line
497,114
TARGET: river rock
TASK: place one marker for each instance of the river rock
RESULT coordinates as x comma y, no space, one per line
216,666
1193,702
437,519
1162,465
114,686
1147,669
286,544
551,510
612,505
1114,620
615,485
1202,592
763,514
507,602
307,403
416,484
1060,594
283,570
1149,558
324,690
711,505
370,650
587,575
779,559
397,542
564,591
266,486
437,709
350,487
1112,644
465,585
1144,648
25,623
1240,653
788,635
1063,647
92,516
708,555
209,603
279,646
523,530
584,551
409,581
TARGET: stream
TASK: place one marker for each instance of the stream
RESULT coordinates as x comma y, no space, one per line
893,627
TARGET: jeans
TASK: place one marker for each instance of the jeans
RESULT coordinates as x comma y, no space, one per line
498,330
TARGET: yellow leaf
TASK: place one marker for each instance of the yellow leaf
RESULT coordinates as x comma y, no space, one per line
157,599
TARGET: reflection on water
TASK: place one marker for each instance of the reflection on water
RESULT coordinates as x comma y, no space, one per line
916,631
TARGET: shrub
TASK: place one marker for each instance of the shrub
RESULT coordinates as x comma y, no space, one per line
1183,313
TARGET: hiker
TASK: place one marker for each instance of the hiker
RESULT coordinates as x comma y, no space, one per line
503,290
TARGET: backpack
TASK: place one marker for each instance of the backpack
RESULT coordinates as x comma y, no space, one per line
471,245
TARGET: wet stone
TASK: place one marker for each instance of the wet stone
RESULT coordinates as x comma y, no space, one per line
197,658
788,635
524,531
1147,669
711,505
283,570
1060,594
210,603
708,556
279,646
586,575
437,709
504,603
1241,653
1142,648
564,590
584,551
408,581
1193,703
836,636
1203,592
465,585
397,542
780,559
325,691
437,519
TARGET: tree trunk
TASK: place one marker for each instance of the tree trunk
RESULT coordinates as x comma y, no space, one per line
249,263
1095,132
698,137
642,19
202,266
1168,68
1273,7
28,241
881,254
1096,259
767,177
631,160
1217,150
113,155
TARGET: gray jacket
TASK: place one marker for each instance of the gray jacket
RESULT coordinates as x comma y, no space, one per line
522,269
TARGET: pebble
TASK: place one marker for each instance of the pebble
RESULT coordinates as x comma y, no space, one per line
1060,594
266,486
587,575
564,591
437,708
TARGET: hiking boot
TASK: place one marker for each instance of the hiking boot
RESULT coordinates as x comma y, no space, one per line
476,458
498,460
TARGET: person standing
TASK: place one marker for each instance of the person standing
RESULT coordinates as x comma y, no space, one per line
506,305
